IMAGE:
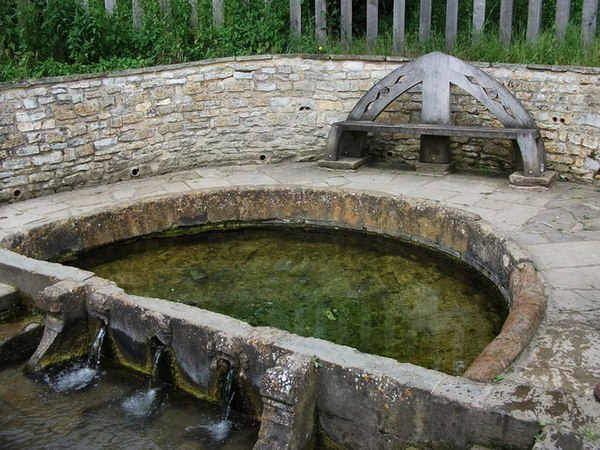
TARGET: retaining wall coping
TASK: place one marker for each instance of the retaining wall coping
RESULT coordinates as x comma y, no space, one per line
314,56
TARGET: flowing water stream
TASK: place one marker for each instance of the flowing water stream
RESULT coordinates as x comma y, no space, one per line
85,405
36,416
79,373
148,401
219,431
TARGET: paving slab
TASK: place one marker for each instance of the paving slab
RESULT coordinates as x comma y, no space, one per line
557,360
571,254
576,302
574,278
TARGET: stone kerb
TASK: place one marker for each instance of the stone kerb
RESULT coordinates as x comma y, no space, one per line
62,133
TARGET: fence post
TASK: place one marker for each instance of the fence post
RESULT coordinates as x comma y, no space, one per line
320,22
346,22
217,7
109,5
136,12
165,7
506,12
588,20
372,23
451,22
193,14
478,18
399,24
563,9
534,20
295,17
425,20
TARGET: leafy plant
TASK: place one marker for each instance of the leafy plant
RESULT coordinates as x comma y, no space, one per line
316,362
497,379
588,434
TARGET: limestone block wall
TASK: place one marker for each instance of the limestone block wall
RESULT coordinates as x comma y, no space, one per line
62,133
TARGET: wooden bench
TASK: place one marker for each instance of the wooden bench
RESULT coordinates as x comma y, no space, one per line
437,71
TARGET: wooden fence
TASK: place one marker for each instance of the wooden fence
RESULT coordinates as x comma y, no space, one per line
534,17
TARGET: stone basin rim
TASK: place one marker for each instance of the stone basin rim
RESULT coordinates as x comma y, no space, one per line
460,234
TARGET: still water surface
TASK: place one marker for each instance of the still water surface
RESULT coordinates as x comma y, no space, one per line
378,295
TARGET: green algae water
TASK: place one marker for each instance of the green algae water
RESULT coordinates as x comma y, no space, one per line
378,295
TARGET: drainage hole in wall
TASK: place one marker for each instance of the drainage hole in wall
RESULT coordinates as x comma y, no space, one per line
305,108
389,154
562,120
262,157
17,193
555,119
135,172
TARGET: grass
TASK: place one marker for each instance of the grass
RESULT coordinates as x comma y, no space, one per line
41,38
546,50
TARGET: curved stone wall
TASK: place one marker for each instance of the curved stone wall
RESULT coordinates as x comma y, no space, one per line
60,133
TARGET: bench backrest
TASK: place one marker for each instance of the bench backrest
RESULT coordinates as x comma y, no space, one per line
437,72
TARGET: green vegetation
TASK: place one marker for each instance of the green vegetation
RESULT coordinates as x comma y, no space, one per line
40,38
588,434
497,379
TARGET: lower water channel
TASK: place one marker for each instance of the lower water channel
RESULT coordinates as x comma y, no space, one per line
115,409
378,295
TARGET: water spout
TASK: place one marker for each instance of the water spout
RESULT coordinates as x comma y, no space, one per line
144,403
228,393
219,431
155,361
79,374
94,355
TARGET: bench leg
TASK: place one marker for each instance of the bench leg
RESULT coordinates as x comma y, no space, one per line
351,144
333,143
534,155
343,143
435,149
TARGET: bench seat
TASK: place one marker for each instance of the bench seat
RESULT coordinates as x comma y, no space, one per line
345,140
419,129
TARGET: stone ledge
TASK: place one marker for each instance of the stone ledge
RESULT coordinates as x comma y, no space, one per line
344,163
8,297
18,340
519,180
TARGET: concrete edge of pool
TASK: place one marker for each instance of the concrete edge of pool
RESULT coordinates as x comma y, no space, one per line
414,401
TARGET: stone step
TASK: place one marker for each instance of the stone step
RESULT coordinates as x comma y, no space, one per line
9,298
19,339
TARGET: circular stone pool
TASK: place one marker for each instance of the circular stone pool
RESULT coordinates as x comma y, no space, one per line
281,374
461,235
378,295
